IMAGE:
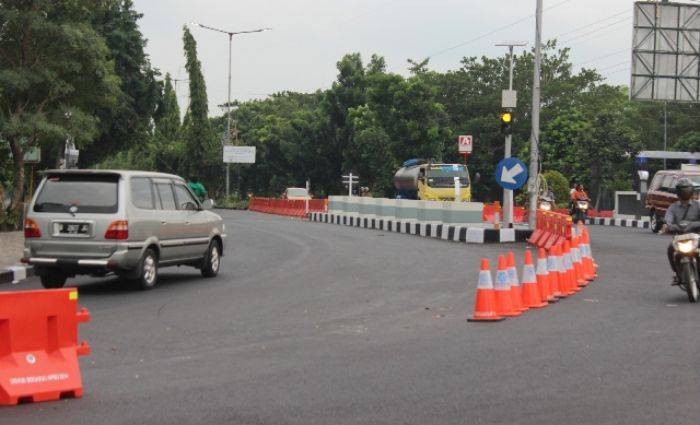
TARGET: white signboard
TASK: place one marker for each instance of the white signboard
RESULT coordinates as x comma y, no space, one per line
465,144
239,154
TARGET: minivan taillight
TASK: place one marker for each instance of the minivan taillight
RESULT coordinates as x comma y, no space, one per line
31,229
118,230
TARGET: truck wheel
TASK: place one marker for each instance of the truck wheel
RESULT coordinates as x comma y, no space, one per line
212,260
654,223
53,280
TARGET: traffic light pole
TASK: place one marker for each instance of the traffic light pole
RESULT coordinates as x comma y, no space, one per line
509,106
507,193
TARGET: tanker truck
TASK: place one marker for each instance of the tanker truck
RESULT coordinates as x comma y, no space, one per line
428,181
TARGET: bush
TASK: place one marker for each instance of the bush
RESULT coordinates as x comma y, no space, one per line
234,202
558,184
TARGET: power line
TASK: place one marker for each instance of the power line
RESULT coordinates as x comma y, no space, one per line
591,24
512,24
597,29
600,57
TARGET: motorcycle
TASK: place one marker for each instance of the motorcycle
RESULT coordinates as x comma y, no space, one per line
685,248
545,203
579,210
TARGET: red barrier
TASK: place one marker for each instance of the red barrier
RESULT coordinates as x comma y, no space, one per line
552,228
288,207
39,345
519,213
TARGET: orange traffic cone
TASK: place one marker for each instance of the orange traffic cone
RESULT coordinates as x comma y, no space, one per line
554,278
531,294
571,285
485,303
504,300
544,278
559,272
591,268
578,262
515,289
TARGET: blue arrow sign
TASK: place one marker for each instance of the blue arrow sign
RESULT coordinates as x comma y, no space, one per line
511,173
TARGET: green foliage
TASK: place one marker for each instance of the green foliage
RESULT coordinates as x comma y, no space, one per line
559,185
689,142
201,154
235,202
126,123
55,70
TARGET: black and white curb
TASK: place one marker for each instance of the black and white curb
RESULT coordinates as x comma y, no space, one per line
15,274
620,222
432,230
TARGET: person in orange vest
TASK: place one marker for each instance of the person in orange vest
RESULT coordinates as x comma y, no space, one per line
578,194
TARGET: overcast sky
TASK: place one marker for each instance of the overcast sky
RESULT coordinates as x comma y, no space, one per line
310,36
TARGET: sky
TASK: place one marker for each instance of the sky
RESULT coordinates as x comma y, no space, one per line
308,37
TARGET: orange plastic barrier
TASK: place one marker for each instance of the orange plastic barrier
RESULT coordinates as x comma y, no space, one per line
551,229
487,215
39,346
288,207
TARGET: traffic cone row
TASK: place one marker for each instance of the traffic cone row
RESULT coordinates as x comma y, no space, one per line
565,270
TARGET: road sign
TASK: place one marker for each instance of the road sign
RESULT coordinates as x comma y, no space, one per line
465,143
239,154
511,173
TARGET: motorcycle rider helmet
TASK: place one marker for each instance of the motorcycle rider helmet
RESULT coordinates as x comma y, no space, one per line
684,189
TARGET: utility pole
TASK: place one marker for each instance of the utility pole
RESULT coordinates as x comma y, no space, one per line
534,137
507,193
227,136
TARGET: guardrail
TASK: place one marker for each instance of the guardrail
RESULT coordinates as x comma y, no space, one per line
288,207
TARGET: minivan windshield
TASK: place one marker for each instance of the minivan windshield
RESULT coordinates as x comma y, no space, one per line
96,194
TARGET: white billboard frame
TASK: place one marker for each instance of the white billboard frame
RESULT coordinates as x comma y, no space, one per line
666,52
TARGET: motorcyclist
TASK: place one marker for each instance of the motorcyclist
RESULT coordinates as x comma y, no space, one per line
578,193
683,216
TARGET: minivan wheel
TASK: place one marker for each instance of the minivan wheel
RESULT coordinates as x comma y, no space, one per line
212,260
654,222
53,280
148,271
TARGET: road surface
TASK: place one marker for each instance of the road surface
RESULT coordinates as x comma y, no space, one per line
314,323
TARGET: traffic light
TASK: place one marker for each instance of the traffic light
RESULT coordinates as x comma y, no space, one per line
506,121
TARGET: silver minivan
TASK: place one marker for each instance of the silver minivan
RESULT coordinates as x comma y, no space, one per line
128,223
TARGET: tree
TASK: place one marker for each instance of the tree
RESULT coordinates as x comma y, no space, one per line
199,140
54,71
689,142
128,123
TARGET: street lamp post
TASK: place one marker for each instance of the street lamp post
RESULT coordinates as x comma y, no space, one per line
230,34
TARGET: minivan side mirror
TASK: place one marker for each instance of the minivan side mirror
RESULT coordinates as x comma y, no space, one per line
207,204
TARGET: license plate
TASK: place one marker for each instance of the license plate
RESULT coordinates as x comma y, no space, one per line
74,228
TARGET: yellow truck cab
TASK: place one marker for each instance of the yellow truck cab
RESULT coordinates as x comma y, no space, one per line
427,181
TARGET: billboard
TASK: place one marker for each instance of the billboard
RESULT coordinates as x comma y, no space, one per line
666,52
239,154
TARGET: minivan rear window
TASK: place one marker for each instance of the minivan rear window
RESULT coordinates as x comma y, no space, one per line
93,194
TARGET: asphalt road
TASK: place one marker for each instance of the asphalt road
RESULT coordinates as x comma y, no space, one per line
320,324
